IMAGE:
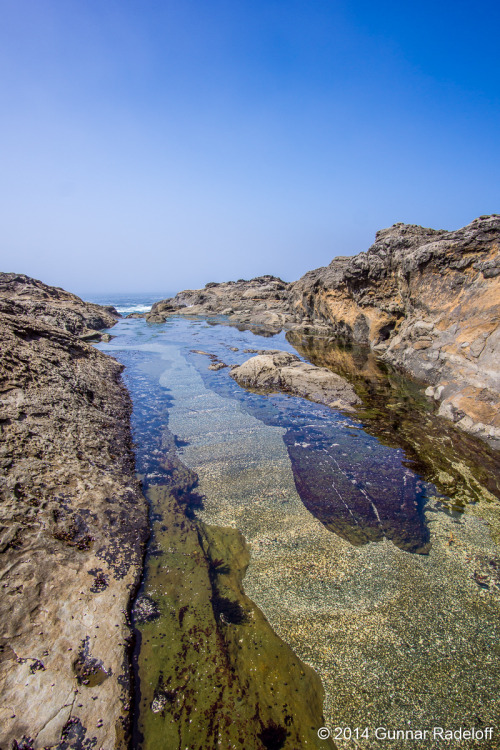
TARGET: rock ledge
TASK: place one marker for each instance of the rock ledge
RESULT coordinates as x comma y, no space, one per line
73,524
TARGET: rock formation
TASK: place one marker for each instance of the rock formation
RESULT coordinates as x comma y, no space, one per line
73,525
22,295
427,301
287,373
260,302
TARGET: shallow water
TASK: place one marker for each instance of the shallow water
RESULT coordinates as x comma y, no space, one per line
358,563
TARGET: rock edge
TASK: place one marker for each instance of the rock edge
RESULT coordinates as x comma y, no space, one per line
73,525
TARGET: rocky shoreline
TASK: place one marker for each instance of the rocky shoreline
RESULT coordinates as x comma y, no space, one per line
74,519
73,526
426,301
54,307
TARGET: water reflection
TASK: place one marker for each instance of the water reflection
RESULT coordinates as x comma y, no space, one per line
361,479
395,637
397,412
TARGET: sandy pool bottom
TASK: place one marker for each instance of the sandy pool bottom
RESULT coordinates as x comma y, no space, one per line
400,641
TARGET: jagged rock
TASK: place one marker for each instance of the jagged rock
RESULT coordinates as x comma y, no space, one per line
22,295
427,301
73,524
287,373
258,302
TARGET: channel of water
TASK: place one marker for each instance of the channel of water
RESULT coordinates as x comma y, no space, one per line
303,570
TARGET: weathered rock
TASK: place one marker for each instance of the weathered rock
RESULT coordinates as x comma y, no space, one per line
427,301
258,302
217,366
73,524
21,295
287,373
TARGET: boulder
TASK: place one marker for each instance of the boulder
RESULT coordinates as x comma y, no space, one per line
286,373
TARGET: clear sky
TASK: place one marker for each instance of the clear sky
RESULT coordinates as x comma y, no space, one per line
154,145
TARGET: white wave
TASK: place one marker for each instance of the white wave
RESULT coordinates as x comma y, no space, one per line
124,309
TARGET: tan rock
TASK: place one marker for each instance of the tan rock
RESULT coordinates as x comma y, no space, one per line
73,525
287,373
429,302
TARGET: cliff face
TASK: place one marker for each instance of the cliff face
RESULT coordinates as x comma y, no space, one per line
22,295
72,527
428,302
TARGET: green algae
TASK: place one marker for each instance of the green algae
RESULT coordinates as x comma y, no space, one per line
212,673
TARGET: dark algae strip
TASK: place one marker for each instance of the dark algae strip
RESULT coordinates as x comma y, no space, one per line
210,671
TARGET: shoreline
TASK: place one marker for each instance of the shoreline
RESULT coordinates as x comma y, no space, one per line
426,301
103,496
74,525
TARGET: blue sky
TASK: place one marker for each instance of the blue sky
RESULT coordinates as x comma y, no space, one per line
154,146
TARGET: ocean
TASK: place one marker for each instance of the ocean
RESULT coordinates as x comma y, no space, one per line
127,302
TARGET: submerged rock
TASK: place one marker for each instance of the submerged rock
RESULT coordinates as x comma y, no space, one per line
287,373
73,524
145,609
217,366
